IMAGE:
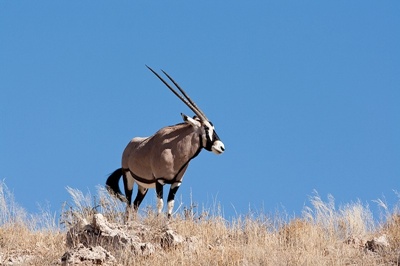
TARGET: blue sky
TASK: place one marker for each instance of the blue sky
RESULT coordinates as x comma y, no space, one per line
305,96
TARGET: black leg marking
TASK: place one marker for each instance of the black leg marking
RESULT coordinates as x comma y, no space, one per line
159,191
171,197
128,192
172,192
139,197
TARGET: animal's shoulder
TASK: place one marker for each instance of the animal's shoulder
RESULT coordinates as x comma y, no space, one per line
138,139
169,129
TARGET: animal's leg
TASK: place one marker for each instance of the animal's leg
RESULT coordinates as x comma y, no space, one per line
171,197
128,186
142,191
159,191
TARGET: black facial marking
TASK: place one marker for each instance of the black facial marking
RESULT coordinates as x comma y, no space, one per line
215,136
209,142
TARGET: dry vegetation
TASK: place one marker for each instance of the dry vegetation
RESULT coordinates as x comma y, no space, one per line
322,236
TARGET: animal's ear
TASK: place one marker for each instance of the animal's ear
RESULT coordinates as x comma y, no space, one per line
190,120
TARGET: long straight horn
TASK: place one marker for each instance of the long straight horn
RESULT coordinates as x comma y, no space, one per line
189,104
185,94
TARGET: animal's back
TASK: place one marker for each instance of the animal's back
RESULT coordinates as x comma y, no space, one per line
130,148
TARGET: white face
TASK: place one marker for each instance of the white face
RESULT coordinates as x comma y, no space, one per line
218,147
211,141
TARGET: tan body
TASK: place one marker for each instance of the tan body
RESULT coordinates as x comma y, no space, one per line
164,157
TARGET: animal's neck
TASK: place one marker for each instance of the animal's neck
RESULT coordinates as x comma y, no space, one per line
185,138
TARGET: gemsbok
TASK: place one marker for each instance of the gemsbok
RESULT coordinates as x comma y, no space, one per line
164,157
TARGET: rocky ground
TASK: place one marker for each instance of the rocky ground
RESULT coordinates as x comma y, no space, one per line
100,242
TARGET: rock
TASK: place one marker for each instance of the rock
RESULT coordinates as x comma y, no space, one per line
100,242
377,244
171,239
82,255
110,236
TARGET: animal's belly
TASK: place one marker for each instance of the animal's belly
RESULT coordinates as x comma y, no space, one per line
145,185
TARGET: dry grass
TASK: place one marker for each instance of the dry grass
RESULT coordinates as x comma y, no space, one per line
323,235
23,237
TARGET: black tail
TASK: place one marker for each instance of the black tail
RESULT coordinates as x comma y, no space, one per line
112,184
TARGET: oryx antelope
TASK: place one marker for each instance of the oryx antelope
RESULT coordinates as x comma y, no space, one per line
164,157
